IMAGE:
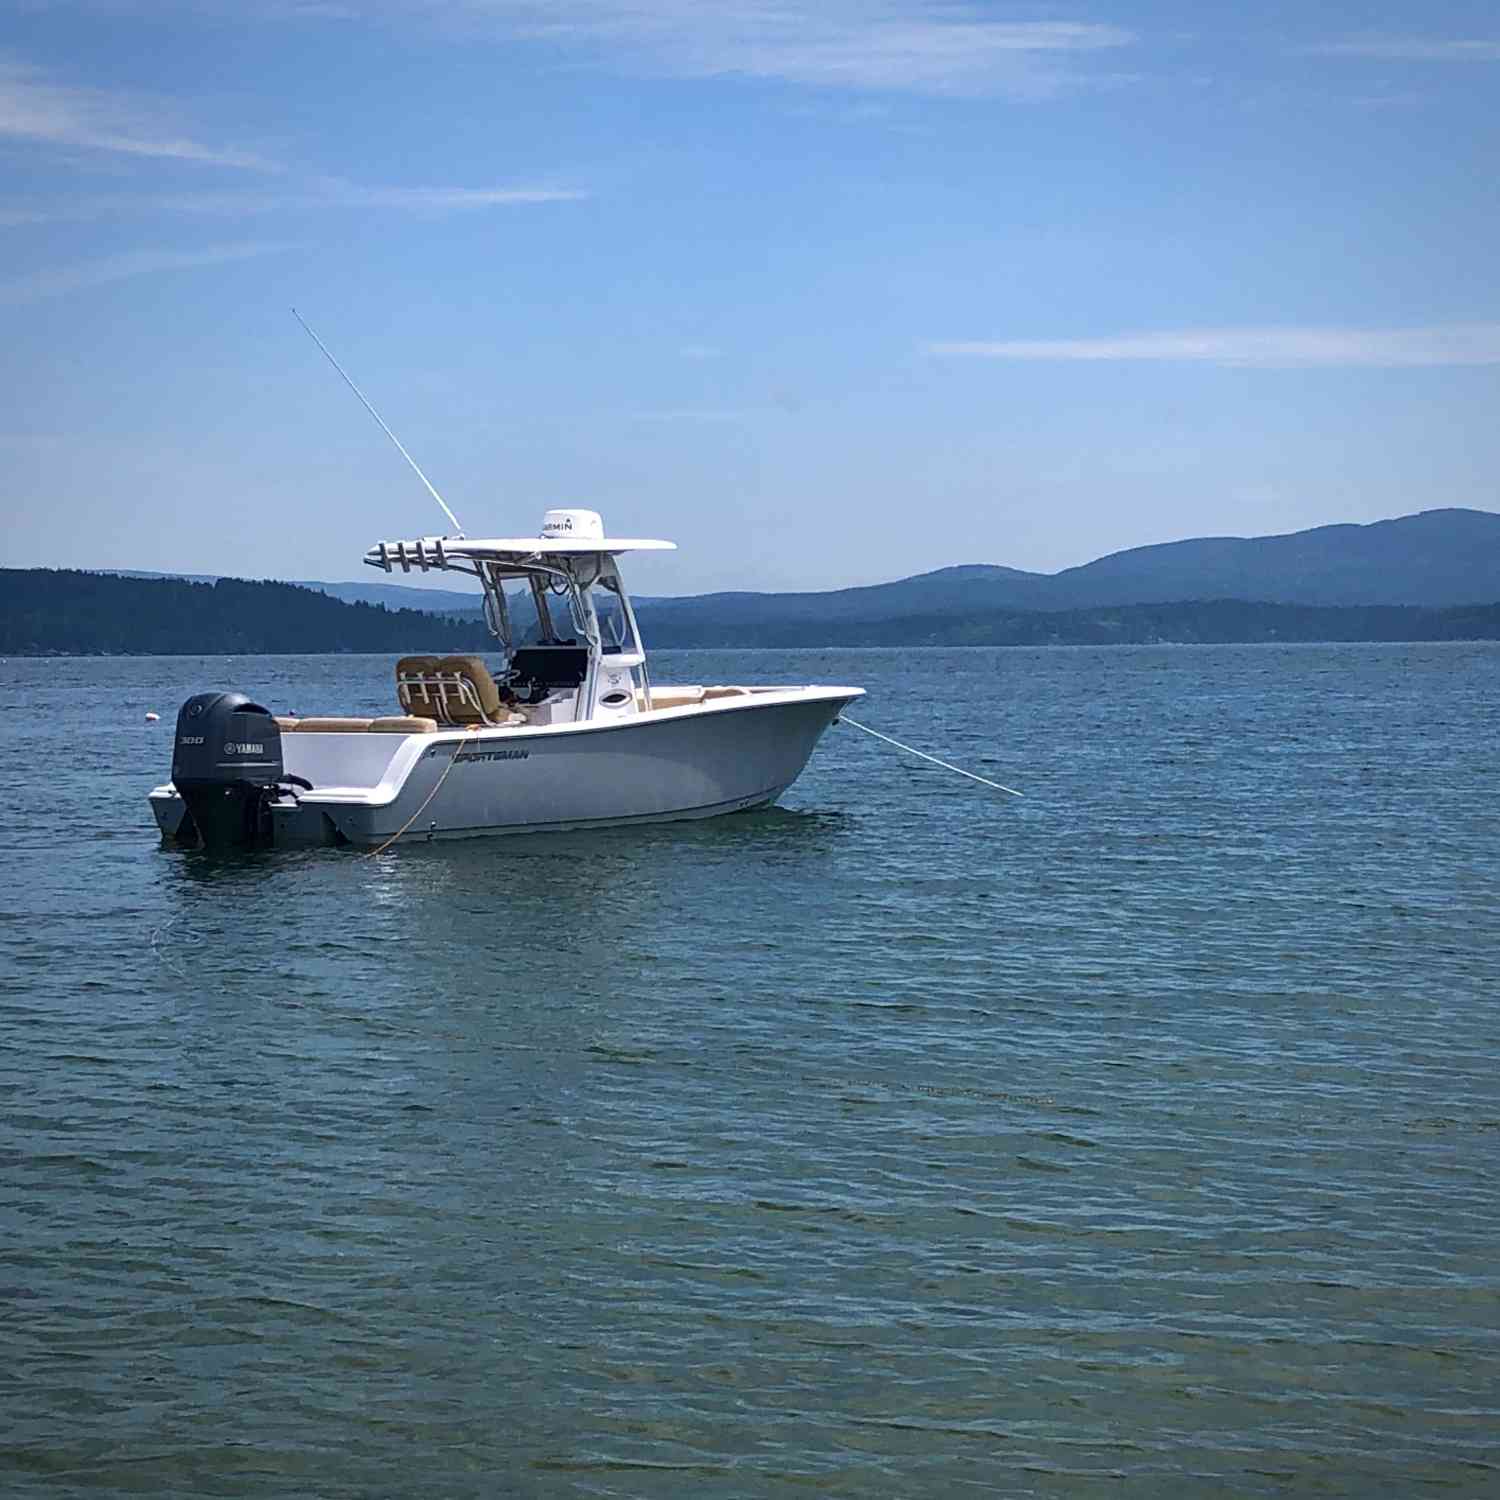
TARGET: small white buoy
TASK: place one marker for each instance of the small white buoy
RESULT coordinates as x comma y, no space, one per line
151,718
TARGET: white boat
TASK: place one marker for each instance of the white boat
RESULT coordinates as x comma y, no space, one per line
567,732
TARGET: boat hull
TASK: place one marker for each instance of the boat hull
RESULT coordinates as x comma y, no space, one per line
677,764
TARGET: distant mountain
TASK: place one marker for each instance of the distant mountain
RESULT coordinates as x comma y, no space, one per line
1438,559
392,595
1215,622
951,590
45,612
401,596
1430,576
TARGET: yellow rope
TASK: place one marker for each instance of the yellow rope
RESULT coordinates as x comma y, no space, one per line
437,786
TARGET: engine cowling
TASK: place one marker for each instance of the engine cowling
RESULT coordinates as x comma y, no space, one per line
226,763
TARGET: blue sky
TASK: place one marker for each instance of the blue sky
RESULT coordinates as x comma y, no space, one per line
827,293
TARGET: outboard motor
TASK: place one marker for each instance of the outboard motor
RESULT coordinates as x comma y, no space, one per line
226,763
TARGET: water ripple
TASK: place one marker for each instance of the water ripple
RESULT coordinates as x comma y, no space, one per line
1136,1138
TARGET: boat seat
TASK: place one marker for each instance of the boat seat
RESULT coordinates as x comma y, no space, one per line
450,689
416,664
331,726
409,670
407,724
672,697
726,692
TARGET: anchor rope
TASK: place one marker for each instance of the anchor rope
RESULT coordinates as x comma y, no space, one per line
923,755
436,787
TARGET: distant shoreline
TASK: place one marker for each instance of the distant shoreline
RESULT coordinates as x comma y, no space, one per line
809,646
46,613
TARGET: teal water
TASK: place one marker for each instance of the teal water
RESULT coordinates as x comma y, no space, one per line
1137,1138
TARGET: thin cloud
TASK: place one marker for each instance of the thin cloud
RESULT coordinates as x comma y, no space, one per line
235,205
36,109
924,46
1414,49
437,199
1268,348
928,46
60,280
41,112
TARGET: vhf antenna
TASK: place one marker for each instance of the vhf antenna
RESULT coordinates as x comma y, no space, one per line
416,469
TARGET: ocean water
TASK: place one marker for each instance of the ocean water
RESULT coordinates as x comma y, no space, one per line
1140,1137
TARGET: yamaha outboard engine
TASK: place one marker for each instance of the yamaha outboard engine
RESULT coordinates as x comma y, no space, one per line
226,763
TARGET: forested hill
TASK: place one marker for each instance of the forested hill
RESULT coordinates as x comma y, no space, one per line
1206,622
1438,559
46,612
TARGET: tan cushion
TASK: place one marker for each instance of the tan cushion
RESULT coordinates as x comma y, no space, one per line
412,699
672,697
478,676
332,726
285,723
407,724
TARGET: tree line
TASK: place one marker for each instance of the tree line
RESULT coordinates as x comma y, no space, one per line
63,612
59,612
1203,622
